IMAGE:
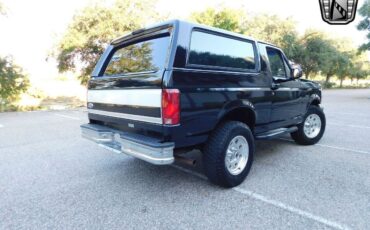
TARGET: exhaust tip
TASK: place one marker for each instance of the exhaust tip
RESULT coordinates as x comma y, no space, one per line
186,161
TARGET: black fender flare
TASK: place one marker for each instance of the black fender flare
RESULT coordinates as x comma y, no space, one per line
236,105
314,98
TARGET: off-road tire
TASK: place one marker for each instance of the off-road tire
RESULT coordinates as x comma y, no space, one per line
300,137
214,153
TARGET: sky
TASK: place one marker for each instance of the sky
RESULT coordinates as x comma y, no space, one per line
31,28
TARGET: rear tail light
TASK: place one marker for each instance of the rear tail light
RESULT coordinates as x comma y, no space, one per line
171,106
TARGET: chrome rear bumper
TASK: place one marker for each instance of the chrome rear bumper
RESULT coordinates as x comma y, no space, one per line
139,146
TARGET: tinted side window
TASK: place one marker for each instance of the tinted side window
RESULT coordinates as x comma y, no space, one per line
276,63
214,50
149,55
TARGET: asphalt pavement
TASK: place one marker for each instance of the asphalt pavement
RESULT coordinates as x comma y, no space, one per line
51,178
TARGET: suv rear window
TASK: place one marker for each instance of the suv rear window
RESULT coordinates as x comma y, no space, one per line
215,50
144,56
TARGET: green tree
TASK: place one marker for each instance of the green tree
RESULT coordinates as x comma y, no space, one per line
332,63
313,51
346,55
272,29
364,24
282,33
360,67
12,82
94,27
269,28
294,48
345,67
227,19
134,58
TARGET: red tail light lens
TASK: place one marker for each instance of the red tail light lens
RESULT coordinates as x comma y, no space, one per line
171,106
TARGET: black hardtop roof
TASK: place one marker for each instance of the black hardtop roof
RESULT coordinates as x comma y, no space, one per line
178,22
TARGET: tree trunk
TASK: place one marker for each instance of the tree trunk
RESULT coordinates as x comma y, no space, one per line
341,83
328,76
307,74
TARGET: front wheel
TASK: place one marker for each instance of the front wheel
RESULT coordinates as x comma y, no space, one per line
311,130
228,154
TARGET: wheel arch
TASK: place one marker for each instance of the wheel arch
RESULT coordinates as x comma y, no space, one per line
242,111
315,99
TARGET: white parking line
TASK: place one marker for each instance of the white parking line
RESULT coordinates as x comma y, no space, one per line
291,209
352,126
66,116
274,203
333,147
345,149
352,114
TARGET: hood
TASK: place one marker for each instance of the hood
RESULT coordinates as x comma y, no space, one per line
311,84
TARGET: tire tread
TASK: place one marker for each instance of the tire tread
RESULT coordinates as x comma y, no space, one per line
300,138
214,163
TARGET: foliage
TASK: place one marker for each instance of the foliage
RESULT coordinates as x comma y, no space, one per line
133,58
294,48
364,24
272,29
264,27
227,19
331,63
344,68
220,60
360,68
315,51
12,82
93,28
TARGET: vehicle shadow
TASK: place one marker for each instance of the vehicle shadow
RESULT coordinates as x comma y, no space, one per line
139,171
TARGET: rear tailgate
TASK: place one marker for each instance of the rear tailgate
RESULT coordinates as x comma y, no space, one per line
128,91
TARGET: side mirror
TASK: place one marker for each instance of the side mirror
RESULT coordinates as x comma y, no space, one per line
296,71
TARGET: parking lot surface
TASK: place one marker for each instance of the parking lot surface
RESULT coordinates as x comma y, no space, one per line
51,178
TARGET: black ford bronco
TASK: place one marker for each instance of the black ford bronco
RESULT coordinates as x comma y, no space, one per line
176,86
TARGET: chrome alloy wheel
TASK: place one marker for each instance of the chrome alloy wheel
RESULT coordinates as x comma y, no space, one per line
237,154
312,126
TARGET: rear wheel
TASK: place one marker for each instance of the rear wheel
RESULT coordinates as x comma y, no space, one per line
311,130
228,154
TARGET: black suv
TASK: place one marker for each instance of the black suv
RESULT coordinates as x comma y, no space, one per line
176,86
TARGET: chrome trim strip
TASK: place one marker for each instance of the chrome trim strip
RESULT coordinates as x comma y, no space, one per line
248,89
138,97
237,89
287,89
156,120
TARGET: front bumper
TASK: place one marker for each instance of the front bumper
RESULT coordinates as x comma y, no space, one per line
139,146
